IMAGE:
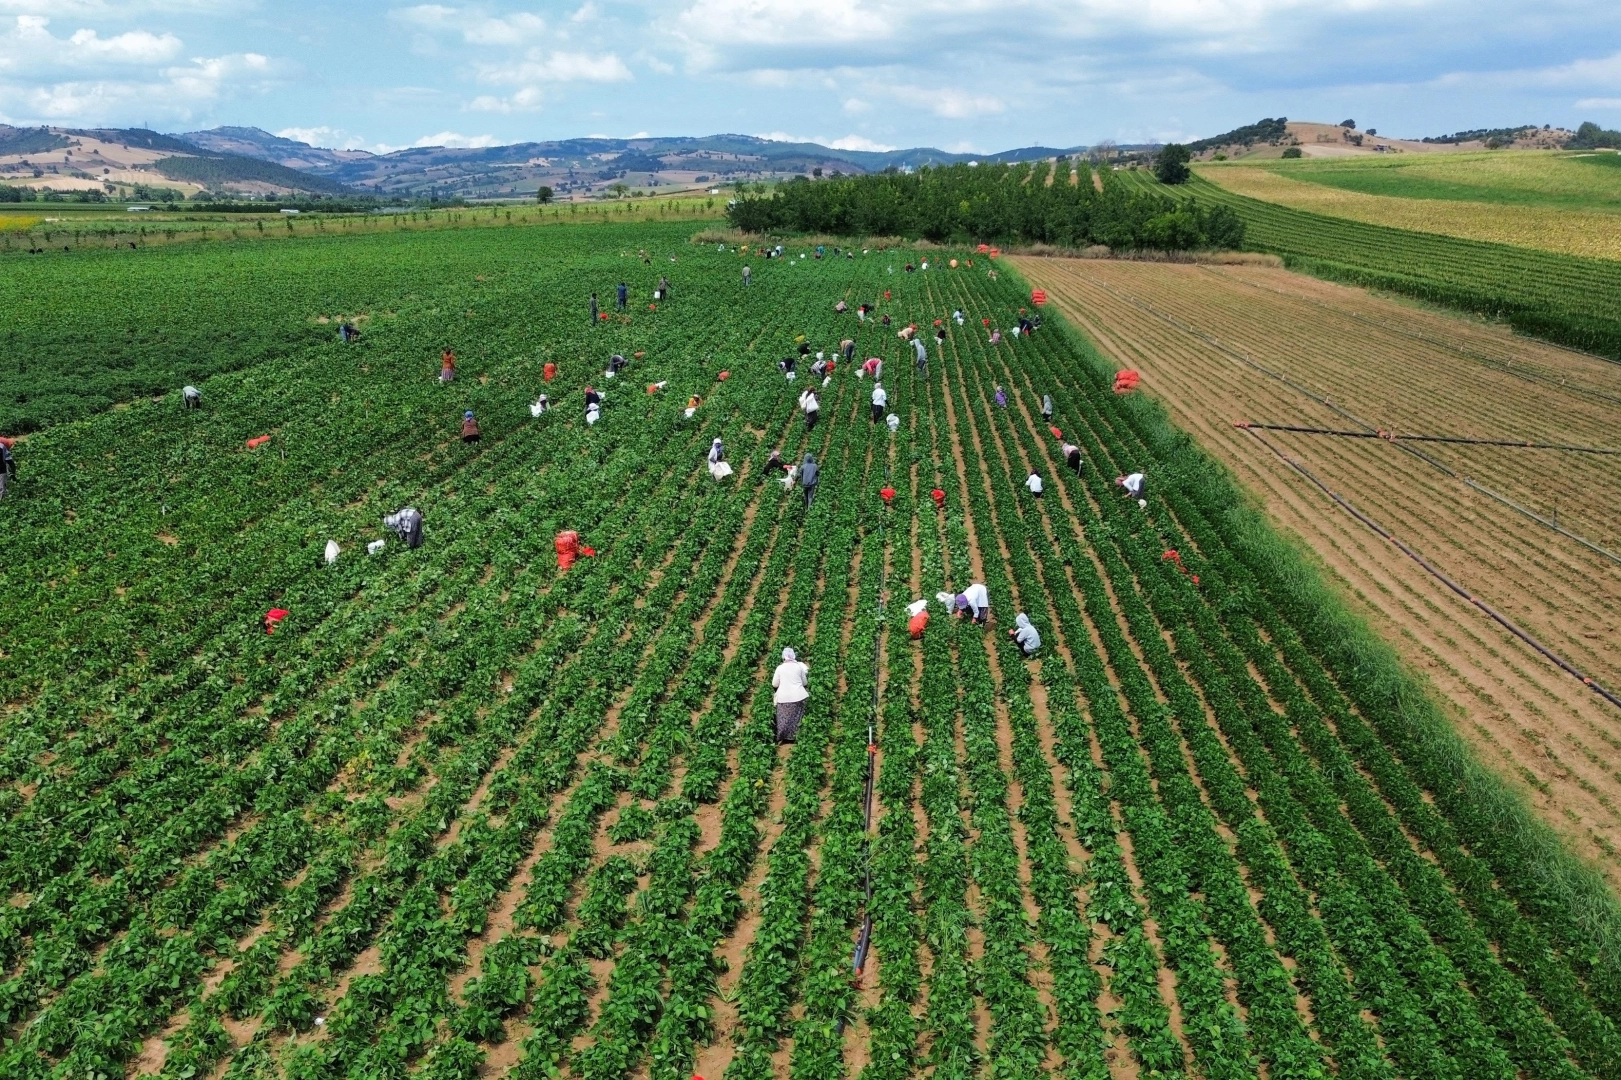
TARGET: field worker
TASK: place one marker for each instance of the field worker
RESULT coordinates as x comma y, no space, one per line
470,433
809,472
594,311
922,354
774,464
345,331
1072,456
1047,408
747,273
812,407
621,294
593,413
940,340
8,465
592,397
880,400
692,405
1001,396
996,337
717,452
786,365
407,525
958,316
847,349
790,684
939,497
894,423
841,307
1136,486
861,312
191,397
542,404
1033,482
663,291
975,601
616,364
819,369
874,367
1025,634
447,366
1025,326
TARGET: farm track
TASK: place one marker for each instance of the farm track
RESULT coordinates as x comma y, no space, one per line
1537,724
507,821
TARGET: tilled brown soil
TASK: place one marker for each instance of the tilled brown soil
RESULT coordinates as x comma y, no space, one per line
1219,345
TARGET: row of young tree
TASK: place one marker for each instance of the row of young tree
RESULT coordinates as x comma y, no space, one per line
1026,203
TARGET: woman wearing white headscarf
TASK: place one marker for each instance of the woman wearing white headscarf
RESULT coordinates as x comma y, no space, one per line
790,682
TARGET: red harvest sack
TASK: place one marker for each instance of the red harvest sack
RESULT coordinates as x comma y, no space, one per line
273,618
916,623
549,372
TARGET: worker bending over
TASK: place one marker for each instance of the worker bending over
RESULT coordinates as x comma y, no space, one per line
1136,486
1072,456
1033,482
470,432
191,397
407,525
1025,634
975,601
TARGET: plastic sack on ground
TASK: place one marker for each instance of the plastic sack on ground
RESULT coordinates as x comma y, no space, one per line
332,552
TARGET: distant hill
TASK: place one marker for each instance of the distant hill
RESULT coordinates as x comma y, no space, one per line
577,167
226,171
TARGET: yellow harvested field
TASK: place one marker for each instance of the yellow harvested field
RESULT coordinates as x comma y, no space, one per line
1571,232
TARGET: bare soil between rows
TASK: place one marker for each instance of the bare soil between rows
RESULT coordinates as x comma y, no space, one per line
1201,337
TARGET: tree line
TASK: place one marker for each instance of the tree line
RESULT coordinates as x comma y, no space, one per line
1039,202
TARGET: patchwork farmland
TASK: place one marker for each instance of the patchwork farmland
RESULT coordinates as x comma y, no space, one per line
467,813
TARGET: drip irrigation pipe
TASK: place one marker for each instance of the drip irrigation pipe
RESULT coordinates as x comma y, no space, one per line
1391,436
858,960
1496,616
1325,402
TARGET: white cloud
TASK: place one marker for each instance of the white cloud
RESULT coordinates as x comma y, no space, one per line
473,26
586,13
454,140
860,142
558,67
133,47
328,137
856,105
951,103
525,99
962,146
1599,103
206,77
29,45
178,93
847,142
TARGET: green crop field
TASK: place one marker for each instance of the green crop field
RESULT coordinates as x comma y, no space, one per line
1567,299
1582,180
464,813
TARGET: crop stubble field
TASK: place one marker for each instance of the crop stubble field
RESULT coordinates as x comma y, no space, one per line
1189,330
476,817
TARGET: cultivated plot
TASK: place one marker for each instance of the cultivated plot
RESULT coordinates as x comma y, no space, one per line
1227,344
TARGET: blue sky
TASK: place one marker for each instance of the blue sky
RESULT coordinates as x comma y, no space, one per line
968,75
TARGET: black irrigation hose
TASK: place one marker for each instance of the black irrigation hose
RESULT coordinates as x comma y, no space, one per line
1285,380
1391,436
1503,620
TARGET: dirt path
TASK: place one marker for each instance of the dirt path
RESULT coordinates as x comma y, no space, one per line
1197,335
